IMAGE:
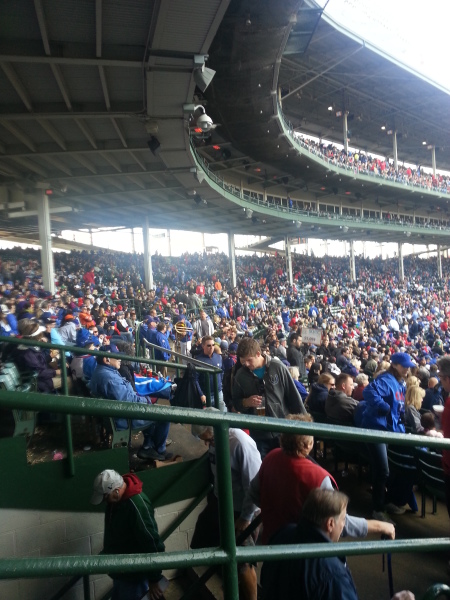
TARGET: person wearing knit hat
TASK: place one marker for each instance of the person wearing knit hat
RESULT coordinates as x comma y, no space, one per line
130,528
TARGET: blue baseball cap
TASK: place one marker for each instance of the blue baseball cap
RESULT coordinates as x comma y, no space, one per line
403,359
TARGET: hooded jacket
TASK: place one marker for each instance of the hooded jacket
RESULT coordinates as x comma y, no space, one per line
130,527
384,404
317,397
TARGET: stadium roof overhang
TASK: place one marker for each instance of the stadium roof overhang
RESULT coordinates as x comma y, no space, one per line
80,98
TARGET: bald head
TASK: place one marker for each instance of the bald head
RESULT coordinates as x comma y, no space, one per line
432,382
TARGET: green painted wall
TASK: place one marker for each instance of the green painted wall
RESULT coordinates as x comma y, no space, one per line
46,486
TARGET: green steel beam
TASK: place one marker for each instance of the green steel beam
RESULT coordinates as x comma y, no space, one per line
113,408
57,566
263,553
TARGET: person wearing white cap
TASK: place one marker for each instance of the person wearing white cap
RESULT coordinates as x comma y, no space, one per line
130,528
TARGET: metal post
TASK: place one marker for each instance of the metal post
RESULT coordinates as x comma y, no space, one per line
394,149
226,514
216,390
433,160
148,273
232,258
345,130
133,243
401,272
67,418
439,261
352,261
208,389
287,248
45,238
169,242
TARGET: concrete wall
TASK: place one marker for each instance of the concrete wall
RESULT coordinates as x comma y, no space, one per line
37,534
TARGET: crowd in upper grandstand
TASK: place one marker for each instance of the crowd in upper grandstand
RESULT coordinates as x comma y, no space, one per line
363,162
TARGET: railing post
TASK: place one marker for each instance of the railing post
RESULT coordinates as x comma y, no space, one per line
208,389
67,418
226,511
86,587
216,390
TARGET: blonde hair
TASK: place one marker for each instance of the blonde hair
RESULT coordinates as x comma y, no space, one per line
325,378
294,372
414,396
412,381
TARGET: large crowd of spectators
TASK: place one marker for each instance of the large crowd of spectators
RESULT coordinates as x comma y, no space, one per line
363,162
377,362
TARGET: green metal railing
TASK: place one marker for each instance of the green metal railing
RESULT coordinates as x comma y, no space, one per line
212,371
228,554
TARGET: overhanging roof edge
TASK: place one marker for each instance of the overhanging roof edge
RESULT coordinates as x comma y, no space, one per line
357,38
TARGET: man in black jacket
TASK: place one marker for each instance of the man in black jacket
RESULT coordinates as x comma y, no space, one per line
294,355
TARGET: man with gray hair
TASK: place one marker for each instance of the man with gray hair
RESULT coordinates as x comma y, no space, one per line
314,578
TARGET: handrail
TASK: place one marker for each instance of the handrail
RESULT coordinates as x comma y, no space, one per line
229,555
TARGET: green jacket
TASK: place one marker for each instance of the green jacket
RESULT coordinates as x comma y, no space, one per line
130,528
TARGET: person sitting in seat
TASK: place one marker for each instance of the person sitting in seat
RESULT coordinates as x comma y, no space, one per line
106,382
339,404
319,393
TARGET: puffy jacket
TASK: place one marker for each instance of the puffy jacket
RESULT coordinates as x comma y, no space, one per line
385,404
106,382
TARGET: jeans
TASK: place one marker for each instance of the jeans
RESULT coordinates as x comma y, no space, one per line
222,405
380,474
155,435
266,445
129,590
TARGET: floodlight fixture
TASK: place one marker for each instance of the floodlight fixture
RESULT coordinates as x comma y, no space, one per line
330,108
383,127
202,74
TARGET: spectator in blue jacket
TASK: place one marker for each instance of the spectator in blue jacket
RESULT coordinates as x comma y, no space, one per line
433,395
106,382
384,409
162,341
319,393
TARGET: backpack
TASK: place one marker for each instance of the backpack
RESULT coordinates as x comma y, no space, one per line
186,395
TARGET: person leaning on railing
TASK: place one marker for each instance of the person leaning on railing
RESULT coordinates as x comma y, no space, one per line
314,578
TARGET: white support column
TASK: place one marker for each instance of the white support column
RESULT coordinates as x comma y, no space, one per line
439,261
133,242
203,242
169,241
45,237
433,160
401,272
148,273
394,149
345,130
352,261
381,250
287,250
232,259
91,238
